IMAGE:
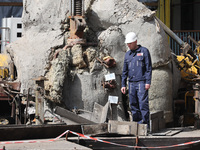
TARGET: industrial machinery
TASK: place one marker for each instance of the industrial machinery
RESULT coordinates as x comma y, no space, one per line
77,22
10,103
187,107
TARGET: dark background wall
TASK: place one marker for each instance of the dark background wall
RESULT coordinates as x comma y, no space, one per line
185,15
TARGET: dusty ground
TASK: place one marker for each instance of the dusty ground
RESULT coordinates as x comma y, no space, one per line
56,145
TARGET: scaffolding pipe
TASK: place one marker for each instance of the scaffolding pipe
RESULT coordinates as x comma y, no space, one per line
193,40
171,33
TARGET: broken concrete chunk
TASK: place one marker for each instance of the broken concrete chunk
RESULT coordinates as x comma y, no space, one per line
95,129
127,128
99,114
71,116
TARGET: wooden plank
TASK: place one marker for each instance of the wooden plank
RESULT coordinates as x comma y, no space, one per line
173,132
167,132
11,4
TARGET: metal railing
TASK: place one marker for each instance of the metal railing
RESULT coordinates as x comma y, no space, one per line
183,35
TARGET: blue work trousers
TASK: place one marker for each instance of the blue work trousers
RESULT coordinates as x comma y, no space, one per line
139,103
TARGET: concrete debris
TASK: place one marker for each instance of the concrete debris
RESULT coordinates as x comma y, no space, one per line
100,113
127,128
73,118
43,32
95,129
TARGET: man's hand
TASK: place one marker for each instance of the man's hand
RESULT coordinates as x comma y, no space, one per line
123,90
147,86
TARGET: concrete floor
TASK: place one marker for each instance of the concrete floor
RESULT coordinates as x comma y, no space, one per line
60,144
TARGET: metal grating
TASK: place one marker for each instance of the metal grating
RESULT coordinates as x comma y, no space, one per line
183,35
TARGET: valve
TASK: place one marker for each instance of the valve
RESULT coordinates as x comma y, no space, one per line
111,84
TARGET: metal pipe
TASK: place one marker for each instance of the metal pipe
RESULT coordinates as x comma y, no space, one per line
37,107
194,41
27,104
186,48
171,33
9,34
72,8
83,8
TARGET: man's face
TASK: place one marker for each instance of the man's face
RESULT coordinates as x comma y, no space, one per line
132,46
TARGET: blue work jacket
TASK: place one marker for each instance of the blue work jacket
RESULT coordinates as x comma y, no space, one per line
137,66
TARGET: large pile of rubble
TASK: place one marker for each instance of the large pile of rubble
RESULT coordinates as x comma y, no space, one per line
75,76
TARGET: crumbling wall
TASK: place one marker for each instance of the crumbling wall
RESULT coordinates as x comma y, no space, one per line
41,33
75,76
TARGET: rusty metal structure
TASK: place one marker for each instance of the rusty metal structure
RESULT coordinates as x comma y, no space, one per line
77,22
9,92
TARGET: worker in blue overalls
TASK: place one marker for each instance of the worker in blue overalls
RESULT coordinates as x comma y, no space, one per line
138,69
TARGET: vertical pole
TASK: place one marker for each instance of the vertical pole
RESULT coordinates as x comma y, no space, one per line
12,71
167,12
36,106
196,97
197,107
162,10
158,10
136,139
73,8
83,8
70,8
41,108
39,113
197,111
27,104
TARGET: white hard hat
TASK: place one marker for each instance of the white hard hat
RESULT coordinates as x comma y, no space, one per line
130,37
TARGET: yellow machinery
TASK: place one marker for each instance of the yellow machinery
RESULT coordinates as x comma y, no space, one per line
4,66
10,103
189,66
